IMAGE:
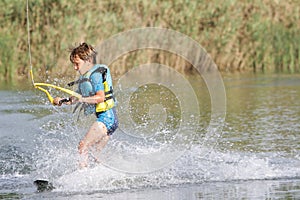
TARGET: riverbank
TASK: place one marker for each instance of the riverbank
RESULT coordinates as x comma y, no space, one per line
239,35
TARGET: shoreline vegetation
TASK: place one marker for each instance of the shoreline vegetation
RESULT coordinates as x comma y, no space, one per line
239,35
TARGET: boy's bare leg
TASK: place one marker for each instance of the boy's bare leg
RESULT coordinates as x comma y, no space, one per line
97,134
97,148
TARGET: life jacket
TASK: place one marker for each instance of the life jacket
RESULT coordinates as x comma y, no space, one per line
86,89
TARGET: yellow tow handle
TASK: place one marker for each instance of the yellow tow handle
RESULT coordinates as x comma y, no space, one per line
38,86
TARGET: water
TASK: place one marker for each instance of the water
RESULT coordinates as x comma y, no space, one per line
255,157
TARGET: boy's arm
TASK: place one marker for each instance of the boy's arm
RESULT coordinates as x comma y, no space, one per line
99,97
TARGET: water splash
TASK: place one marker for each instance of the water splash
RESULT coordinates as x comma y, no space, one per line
189,169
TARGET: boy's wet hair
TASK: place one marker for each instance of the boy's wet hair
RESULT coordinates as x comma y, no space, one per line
84,51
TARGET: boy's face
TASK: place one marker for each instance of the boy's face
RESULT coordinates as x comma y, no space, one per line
80,65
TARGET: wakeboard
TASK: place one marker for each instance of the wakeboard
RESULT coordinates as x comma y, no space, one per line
43,185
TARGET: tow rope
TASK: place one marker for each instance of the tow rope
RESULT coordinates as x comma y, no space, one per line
41,85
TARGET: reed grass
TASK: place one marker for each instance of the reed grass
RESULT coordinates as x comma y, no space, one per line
240,35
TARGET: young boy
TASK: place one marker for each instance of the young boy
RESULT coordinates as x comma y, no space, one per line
95,86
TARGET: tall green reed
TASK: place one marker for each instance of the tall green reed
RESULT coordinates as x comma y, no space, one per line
240,35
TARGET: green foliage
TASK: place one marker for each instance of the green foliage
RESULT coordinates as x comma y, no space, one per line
259,35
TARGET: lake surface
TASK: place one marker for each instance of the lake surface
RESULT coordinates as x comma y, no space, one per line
156,153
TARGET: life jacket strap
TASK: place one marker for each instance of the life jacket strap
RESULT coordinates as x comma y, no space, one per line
78,81
109,92
108,98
